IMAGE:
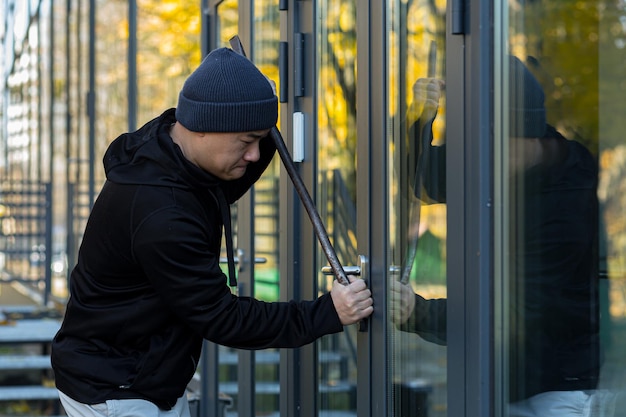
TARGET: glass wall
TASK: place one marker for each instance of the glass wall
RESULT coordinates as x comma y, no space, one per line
560,88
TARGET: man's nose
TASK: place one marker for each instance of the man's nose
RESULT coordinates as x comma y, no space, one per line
253,152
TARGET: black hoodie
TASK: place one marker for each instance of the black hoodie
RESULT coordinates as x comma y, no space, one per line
148,288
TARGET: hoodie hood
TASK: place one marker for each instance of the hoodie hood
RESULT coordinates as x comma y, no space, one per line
149,156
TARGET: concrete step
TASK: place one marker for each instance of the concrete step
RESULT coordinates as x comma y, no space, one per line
15,362
273,357
273,388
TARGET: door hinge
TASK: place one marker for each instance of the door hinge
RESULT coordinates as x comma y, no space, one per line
283,76
298,62
458,17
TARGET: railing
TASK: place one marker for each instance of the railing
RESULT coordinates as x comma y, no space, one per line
26,240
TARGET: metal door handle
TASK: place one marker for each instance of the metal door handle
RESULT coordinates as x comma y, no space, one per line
395,270
236,259
348,269
241,256
359,270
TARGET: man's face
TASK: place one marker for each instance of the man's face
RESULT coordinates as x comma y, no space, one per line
226,155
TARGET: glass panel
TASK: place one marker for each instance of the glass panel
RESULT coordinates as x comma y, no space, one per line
266,40
266,37
111,80
168,50
227,21
336,190
227,26
563,169
265,206
416,123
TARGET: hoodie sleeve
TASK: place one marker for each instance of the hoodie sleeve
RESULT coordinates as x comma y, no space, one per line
429,320
171,248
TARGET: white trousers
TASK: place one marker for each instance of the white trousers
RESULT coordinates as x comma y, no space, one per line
123,408
593,403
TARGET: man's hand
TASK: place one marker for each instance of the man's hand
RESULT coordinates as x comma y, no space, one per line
353,302
402,301
426,95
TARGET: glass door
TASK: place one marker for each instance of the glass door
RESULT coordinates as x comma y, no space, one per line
416,207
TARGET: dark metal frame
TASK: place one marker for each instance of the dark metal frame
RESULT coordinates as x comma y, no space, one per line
470,213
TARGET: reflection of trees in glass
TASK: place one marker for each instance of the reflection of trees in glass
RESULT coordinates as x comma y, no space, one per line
337,89
266,39
612,194
111,74
416,24
227,22
168,43
168,38
578,51
424,21
266,197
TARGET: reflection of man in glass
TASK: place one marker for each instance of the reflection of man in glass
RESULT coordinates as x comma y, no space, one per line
554,355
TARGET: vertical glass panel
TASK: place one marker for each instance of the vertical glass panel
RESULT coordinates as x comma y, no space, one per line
562,95
59,154
416,123
227,21
266,37
336,188
168,50
227,26
264,205
110,78
78,159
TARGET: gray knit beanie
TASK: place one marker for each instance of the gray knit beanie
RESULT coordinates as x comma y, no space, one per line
527,117
227,93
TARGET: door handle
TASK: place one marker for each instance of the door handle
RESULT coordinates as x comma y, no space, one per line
395,270
361,269
348,269
240,259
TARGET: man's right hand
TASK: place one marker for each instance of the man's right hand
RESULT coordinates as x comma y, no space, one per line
353,302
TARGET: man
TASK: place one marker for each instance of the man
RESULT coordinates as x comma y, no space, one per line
147,288
554,345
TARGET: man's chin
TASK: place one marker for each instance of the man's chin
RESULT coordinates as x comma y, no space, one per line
237,173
